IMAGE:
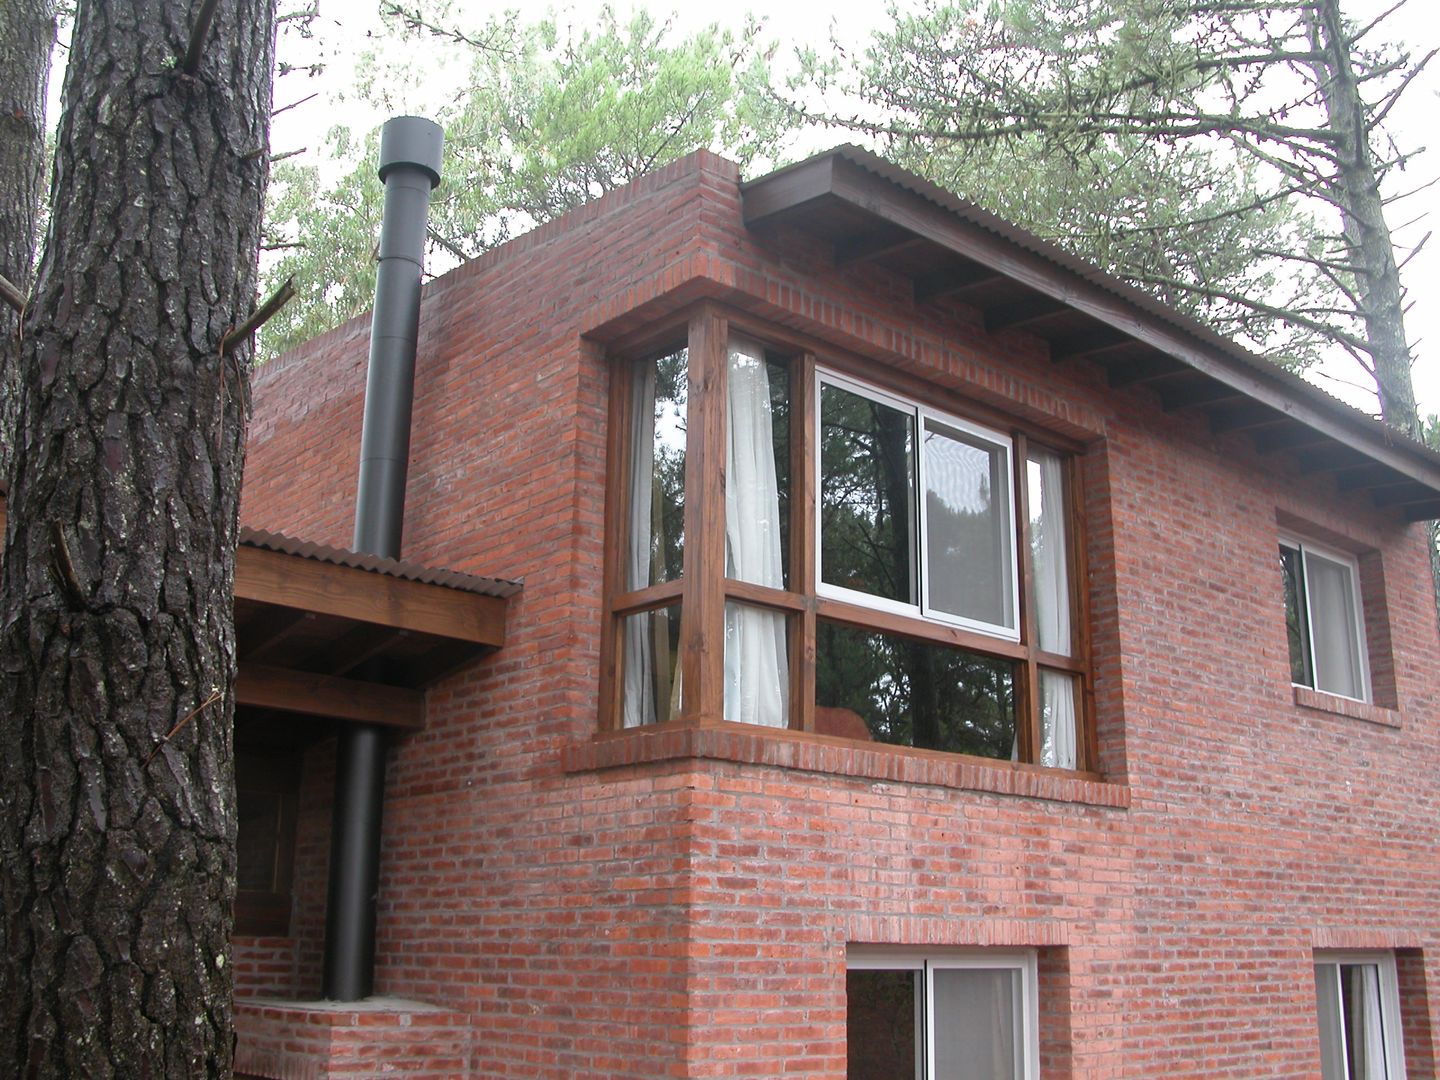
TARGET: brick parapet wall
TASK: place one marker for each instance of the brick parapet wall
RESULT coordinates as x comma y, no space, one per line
603,911
283,1040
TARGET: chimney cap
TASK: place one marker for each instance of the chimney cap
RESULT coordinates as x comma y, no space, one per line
411,141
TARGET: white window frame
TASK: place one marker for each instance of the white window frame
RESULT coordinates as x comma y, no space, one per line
1393,1037
920,414
1306,549
1027,1037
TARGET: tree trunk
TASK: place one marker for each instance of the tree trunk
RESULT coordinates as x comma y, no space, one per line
117,653
27,33
1357,189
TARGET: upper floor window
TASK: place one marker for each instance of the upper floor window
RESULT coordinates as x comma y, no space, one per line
800,547
1323,619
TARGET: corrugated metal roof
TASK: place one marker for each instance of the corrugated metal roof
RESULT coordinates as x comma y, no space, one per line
396,568
978,215
807,188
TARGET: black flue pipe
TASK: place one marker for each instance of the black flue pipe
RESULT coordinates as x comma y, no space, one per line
410,169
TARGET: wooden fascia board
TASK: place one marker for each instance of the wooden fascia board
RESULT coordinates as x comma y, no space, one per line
294,581
788,189
853,184
268,687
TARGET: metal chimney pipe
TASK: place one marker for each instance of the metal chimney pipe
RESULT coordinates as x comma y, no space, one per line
410,169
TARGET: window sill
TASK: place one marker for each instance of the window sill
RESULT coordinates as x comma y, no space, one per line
840,757
1340,706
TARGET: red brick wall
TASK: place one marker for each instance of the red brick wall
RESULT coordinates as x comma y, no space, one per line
683,909
330,1042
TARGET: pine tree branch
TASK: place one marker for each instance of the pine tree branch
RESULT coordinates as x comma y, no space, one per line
12,295
198,33
233,339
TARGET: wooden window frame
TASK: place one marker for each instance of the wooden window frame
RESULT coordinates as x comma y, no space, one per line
702,590
1306,548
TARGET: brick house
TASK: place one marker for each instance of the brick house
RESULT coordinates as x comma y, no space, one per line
923,649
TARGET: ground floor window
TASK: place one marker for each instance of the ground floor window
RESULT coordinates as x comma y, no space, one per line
927,1016
1358,1002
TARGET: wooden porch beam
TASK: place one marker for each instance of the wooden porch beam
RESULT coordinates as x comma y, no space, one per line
294,581
267,687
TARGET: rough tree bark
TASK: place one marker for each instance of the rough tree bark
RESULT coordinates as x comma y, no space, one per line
117,656
27,33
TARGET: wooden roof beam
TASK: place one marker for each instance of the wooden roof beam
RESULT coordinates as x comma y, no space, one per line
1423,511
875,246
1368,475
352,648
954,282
1022,313
266,687
268,629
1206,392
1145,369
1329,458
1092,345
293,581
1248,416
1294,437
1411,494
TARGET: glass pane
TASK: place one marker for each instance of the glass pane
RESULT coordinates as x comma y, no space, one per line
1297,619
1057,719
1049,547
757,666
977,1033
867,484
657,472
913,693
649,645
1333,627
1332,1037
757,477
970,561
881,1029
1360,1009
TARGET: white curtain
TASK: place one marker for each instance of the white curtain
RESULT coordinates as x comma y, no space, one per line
1057,716
1333,623
1051,577
639,659
756,667
1372,1050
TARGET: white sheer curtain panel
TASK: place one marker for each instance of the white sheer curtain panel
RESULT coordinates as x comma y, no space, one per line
1051,577
639,659
1373,1050
756,667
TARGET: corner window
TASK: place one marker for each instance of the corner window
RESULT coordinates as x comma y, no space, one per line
1358,1003
888,570
963,1014
1323,620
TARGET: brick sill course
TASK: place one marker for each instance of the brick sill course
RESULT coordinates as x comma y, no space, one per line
841,757
1341,706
